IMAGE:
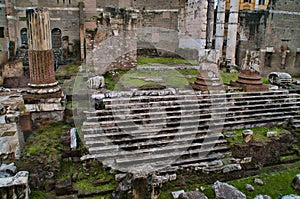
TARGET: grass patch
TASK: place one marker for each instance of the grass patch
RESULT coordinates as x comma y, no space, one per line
227,77
265,80
125,80
259,134
37,194
45,142
66,71
276,183
164,60
95,178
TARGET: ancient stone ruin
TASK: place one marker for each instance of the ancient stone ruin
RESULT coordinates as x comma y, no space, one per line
44,95
150,133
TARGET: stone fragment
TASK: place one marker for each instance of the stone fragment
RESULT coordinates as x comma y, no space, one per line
176,194
15,186
296,182
230,134
192,195
2,119
259,181
64,187
224,190
231,167
95,82
262,197
8,168
2,109
247,135
272,134
73,137
249,187
292,196
120,176
49,185
246,160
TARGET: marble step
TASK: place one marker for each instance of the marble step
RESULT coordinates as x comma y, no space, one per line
122,103
169,151
250,95
186,118
139,142
197,113
248,123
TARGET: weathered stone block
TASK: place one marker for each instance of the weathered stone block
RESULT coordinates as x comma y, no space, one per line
224,190
64,187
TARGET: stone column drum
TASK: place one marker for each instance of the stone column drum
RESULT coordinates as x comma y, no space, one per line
220,27
232,31
40,54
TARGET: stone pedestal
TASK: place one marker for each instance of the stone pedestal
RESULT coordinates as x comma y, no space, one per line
208,79
250,81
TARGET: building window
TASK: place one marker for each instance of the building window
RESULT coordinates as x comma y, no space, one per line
1,32
70,1
64,1
57,1
24,39
247,1
262,2
56,38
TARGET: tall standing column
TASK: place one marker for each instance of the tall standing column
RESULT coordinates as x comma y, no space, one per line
40,54
256,4
220,22
210,24
232,31
81,30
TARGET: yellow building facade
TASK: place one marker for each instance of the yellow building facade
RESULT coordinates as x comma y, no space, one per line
250,4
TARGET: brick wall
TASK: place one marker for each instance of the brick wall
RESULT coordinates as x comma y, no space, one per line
273,29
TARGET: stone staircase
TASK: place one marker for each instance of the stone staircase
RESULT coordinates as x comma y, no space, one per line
295,123
179,130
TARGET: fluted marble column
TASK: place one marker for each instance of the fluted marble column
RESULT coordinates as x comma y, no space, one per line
40,54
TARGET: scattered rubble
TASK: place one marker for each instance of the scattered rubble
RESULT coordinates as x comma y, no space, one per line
272,134
176,194
259,182
262,197
292,196
249,187
192,195
247,135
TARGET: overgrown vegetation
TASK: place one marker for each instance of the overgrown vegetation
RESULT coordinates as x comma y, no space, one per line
276,183
45,142
227,77
43,153
92,178
164,60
